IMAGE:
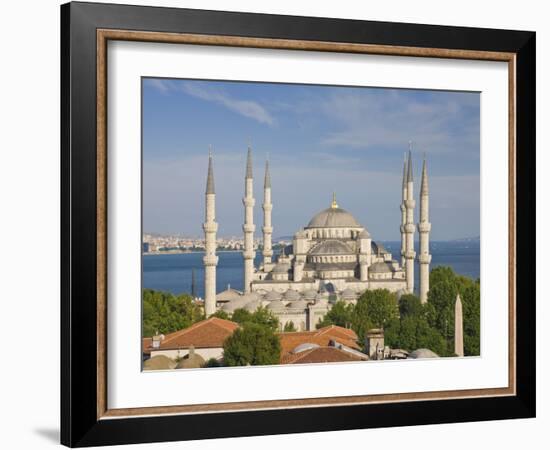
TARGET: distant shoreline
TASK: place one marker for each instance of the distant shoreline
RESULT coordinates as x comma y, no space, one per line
184,252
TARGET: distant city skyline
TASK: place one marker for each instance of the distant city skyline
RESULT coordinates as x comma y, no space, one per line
319,140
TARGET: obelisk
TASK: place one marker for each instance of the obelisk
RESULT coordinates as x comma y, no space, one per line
459,332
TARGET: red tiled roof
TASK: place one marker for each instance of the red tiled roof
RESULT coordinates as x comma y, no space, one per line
321,337
209,333
320,355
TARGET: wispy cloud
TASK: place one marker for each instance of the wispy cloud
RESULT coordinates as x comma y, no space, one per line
363,120
246,108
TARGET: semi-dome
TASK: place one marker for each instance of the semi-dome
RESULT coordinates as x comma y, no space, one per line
333,217
331,247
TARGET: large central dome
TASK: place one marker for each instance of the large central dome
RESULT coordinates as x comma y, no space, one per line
333,217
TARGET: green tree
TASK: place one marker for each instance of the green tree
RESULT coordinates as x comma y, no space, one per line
220,314
410,305
444,286
212,362
252,344
374,309
340,314
289,327
164,312
241,315
264,317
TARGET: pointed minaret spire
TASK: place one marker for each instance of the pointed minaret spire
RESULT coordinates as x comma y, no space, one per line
404,176
424,227
267,178
424,183
249,164
409,169
210,179
267,229
210,228
248,226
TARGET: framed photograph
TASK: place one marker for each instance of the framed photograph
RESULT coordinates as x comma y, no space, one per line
276,224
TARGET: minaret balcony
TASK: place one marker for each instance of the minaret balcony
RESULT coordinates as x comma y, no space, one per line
424,227
249,202
425,259
410,254
410,204
210,260
249,228
267,230
267,207
210,227
409,227
249,254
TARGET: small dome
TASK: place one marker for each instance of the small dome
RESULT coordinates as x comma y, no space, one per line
333,217
298,304
305,346
237,303
159,362
250,296
253,305
292,295
191,362
364,234
276,305
331,247
310,294
273,295
423,353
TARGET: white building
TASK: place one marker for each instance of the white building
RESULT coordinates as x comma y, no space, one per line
332,257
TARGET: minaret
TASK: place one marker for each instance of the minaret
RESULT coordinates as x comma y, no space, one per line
409,229
248,227
424,227
459,332
210,228
267,228
403,212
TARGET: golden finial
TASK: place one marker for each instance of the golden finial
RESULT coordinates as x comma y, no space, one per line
334,204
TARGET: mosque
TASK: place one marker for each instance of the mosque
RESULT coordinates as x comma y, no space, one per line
332,258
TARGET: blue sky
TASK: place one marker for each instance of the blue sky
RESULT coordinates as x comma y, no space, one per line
319,139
